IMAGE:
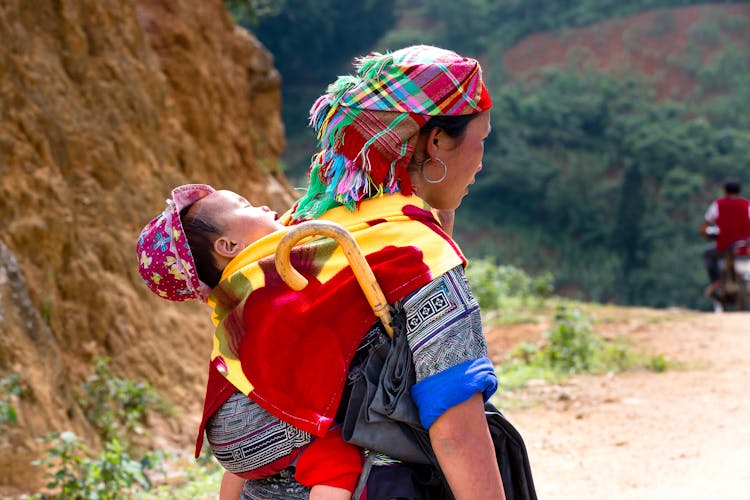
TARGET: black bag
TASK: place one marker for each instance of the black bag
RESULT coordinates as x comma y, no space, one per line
381,416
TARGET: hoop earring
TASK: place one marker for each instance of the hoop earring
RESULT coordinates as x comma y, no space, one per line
433,181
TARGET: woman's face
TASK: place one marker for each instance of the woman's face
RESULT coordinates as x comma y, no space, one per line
239,220
463,160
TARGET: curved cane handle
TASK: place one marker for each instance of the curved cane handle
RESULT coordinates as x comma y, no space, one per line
360,267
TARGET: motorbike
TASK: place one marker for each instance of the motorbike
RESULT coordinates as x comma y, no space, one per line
733,292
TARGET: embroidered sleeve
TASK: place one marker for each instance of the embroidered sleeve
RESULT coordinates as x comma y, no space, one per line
443,324
444,329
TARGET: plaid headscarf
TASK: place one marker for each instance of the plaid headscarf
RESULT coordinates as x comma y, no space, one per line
367,124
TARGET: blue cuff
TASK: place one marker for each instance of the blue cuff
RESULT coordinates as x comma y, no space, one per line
448,388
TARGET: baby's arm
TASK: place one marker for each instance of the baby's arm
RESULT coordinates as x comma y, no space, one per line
231,487
323,492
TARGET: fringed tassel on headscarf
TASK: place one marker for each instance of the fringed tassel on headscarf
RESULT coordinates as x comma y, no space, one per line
370,67
316,200
335,181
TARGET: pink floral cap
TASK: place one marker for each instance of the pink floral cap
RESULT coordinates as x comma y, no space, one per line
164,258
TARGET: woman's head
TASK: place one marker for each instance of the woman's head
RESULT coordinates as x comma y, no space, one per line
447,157
182,252
368,124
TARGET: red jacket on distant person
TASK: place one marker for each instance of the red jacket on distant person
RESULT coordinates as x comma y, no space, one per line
732,215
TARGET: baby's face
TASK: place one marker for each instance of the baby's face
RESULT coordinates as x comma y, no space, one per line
239,220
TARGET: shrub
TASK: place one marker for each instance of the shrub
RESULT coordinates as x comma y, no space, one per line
492,284
116,407
110,475
571,346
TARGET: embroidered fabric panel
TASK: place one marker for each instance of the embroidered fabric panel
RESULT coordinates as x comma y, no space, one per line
282,486
245,437
443,324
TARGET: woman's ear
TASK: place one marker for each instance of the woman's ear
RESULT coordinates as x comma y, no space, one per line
225,247
432,144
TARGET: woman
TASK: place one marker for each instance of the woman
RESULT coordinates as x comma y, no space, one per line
414,123
400,139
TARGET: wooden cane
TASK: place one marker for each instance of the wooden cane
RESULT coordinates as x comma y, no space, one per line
360,267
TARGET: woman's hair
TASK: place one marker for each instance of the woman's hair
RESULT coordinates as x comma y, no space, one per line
201,234
454,126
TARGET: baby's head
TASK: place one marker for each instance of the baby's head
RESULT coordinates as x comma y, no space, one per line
183,251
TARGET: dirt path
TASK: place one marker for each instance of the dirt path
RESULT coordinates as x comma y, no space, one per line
680,434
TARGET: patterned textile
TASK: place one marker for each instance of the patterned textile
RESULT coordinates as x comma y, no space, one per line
165,261
244,437
367,124
443,324
289,351
279,487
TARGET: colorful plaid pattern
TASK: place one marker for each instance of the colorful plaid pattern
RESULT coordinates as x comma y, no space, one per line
422,79
367,124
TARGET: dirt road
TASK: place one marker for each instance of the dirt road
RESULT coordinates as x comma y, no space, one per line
680,434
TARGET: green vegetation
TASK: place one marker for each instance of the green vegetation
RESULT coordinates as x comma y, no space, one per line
474,26
116,407
496,285
200,482
10,388
606,185
110,475
571,347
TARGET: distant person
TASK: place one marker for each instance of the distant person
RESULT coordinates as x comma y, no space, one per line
730,216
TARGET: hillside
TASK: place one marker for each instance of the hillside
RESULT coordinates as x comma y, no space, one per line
644,435
657,44
614,124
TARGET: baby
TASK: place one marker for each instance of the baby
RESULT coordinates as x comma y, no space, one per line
182,254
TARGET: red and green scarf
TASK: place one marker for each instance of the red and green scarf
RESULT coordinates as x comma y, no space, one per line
289,351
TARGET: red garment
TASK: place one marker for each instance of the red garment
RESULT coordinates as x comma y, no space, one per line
331,461
733,221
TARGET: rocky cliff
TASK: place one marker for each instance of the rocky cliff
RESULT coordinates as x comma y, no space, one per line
104,107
